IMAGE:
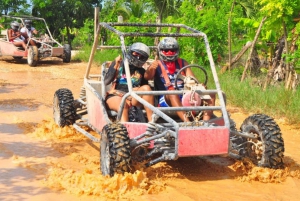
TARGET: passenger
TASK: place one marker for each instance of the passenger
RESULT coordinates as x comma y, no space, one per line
28,31
169,64
137,55
15,36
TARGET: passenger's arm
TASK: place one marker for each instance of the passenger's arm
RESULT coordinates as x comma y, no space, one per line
112,70
10,37
150,72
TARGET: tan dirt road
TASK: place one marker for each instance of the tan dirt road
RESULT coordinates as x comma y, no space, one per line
39,161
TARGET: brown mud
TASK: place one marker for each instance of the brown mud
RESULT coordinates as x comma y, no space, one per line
40,161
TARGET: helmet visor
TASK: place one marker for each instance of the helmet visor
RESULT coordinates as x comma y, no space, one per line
169,52
139,56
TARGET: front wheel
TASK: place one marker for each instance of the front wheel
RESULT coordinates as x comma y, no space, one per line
115,155
64,111
67,53
33,56
268,148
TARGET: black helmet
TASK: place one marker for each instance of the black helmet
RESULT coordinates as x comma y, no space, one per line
28,23
168,49
143,51
15,25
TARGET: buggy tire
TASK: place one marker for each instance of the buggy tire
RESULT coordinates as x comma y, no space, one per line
33,56
64,112
268,149
67,53
115,155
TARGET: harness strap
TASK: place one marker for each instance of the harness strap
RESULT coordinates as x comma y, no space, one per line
165,75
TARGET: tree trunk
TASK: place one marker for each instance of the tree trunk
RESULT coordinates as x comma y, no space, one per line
252,48
275,62
288,68
158,29
237,57
229,35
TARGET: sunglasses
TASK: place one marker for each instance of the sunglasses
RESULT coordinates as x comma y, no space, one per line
169,50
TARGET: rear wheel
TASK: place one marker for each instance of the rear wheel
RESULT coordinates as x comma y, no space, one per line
115,155
64,111
67,53
268,148
33,56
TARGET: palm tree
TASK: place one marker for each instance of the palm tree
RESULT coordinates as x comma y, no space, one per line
166,8
132,7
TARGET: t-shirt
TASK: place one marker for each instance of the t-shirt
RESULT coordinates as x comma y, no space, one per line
137,77
29,32
171,69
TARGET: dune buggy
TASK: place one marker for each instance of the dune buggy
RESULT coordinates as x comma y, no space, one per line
166,137
46,45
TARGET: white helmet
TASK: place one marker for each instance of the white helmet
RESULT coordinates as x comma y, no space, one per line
143,51
15,25
168,49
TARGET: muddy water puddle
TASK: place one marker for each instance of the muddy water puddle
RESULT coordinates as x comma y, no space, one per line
75,168
40,161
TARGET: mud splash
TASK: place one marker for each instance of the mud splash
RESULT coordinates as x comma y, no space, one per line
75,168
77,171
248,172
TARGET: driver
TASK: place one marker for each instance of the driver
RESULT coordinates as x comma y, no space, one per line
164,72
28,31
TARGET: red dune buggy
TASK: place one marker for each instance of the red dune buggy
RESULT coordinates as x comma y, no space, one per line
166,137
46,45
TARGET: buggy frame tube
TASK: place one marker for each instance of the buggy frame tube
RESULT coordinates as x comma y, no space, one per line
195,33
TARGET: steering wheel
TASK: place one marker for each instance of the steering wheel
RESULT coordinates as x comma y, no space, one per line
180,76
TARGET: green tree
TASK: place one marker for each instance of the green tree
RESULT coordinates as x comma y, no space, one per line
66,14
280,15
165,8
133,7
14,7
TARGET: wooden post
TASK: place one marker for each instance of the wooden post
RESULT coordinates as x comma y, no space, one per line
96,20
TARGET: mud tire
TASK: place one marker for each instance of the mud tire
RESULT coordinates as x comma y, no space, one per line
33,56
67,53
64,112
115,155
270,150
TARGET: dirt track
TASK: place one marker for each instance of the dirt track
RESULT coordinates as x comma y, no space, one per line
39,161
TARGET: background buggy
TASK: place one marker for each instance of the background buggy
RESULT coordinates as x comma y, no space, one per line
47,46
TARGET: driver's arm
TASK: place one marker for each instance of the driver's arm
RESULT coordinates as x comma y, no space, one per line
34,31
188,71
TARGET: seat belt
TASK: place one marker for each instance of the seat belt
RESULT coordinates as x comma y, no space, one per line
165,75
